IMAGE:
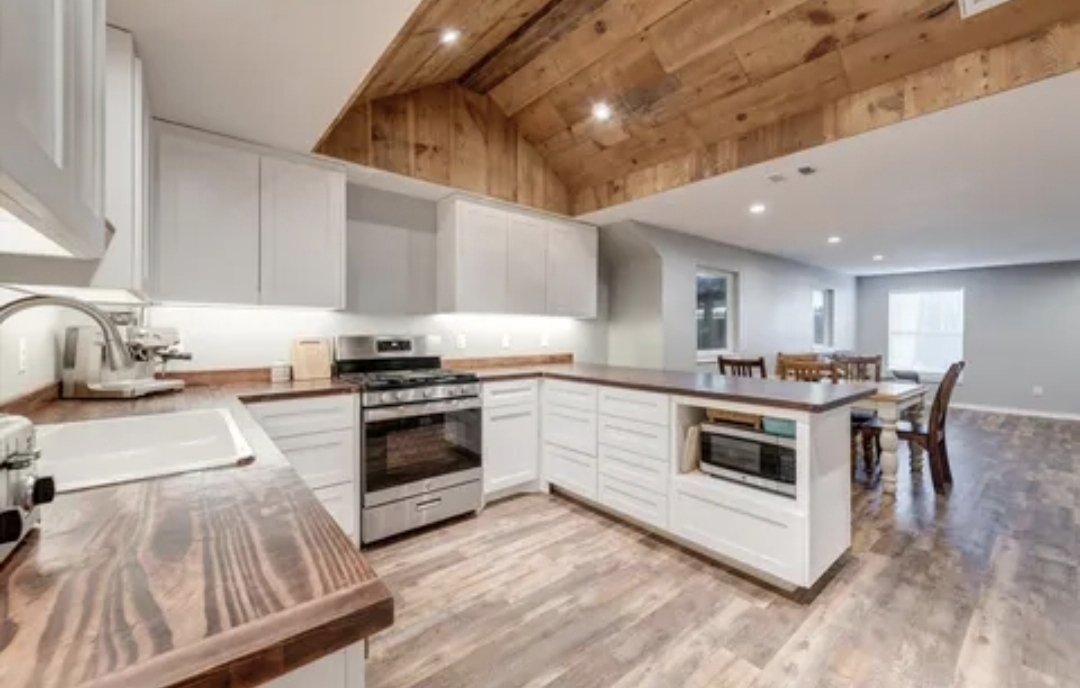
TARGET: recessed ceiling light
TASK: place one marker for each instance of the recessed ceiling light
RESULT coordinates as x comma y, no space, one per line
450,36
601,112
757,208
834,240
879,258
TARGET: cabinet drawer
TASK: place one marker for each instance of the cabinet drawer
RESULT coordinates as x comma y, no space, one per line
571,470
326,458
340,501
634,501
644,471
306,416
627,403
570,395
571,428
510,393
643,438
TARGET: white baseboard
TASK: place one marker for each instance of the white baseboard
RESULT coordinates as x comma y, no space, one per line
1051,415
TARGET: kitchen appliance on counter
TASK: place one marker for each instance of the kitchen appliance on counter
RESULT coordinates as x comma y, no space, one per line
84,373
749,457
22,490
420,438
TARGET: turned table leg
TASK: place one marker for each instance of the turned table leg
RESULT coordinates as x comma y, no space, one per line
889,443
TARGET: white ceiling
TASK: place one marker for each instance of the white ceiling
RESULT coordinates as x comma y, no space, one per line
994,182
271,71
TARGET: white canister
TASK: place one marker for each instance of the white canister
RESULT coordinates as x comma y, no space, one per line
280,371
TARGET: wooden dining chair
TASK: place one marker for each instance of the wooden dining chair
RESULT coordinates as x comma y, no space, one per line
861,369
930,436
742,367
783,359
811,371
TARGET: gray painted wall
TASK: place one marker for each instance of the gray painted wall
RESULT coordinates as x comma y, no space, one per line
1021,330
774,298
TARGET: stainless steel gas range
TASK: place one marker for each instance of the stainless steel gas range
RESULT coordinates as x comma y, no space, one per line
420,438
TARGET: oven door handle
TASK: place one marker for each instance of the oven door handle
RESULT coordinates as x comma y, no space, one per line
417,410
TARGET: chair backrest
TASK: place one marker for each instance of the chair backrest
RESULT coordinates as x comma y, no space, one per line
742,367
783,359
940,409
860,368
811,371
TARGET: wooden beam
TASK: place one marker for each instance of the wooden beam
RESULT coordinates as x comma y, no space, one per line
963,79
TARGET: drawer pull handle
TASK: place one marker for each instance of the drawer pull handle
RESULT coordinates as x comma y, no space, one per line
428,504
511,416
629,431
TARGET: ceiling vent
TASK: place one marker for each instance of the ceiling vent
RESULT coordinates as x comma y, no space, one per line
807,170
776,178
969,8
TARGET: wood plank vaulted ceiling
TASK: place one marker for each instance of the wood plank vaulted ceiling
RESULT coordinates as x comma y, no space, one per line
698,87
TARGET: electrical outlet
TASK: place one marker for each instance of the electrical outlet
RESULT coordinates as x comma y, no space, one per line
462,340
545,340
506,341
23,364
1037,391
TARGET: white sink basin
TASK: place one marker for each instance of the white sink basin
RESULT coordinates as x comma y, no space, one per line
105,452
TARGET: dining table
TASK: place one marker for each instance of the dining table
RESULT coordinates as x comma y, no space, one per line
895,401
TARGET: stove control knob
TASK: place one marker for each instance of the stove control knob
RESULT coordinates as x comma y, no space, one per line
387,396
34,492
402,395
10,526
429,392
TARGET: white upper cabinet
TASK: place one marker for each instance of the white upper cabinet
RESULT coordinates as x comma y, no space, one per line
527,240
573,254
52,119
207,238
303,234
492,260
235,225
126,118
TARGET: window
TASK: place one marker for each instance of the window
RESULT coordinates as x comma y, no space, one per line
715,322
824,309
926,330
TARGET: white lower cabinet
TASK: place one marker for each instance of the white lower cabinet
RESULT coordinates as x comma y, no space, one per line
342,669
631,499
319,437
571,470
511,446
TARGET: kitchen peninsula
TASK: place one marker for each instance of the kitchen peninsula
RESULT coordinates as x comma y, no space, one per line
617,439
228,577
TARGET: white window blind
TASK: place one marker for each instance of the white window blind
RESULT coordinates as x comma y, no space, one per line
926,330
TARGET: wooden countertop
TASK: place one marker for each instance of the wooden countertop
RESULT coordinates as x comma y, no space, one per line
225,578
799,396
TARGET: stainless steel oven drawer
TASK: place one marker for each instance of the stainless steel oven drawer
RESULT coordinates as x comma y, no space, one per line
398,517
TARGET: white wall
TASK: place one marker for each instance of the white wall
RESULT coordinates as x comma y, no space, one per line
40,328
774,298
1020,331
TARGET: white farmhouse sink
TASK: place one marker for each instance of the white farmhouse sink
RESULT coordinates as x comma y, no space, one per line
105,452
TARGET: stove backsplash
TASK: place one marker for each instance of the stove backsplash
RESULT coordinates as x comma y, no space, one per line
227,337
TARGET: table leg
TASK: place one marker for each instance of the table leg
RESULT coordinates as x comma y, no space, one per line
915,415
889,443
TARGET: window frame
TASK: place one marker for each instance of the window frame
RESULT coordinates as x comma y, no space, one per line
730,346
829,296
926,375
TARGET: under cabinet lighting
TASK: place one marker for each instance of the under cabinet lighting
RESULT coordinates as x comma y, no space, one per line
601,112
450,36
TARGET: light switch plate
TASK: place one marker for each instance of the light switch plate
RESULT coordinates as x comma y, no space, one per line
23,364
462,340
545,340
506,341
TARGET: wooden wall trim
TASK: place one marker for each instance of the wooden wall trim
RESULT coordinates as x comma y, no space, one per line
451,136
972,76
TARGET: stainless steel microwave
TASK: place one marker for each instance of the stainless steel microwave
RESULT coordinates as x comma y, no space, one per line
749,457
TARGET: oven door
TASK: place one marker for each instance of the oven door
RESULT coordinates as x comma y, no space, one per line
413,449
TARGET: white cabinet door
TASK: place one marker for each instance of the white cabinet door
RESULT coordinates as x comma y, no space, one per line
481,259
32,46
342,669
511,437
85,95
207,241
527,239
572,270
303,234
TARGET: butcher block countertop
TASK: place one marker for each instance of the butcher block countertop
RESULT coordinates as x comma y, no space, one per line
798,396
225,578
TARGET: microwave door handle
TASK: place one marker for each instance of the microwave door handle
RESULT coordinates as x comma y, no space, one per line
418,410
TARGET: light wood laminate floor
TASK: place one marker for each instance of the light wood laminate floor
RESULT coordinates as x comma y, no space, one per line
976,590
